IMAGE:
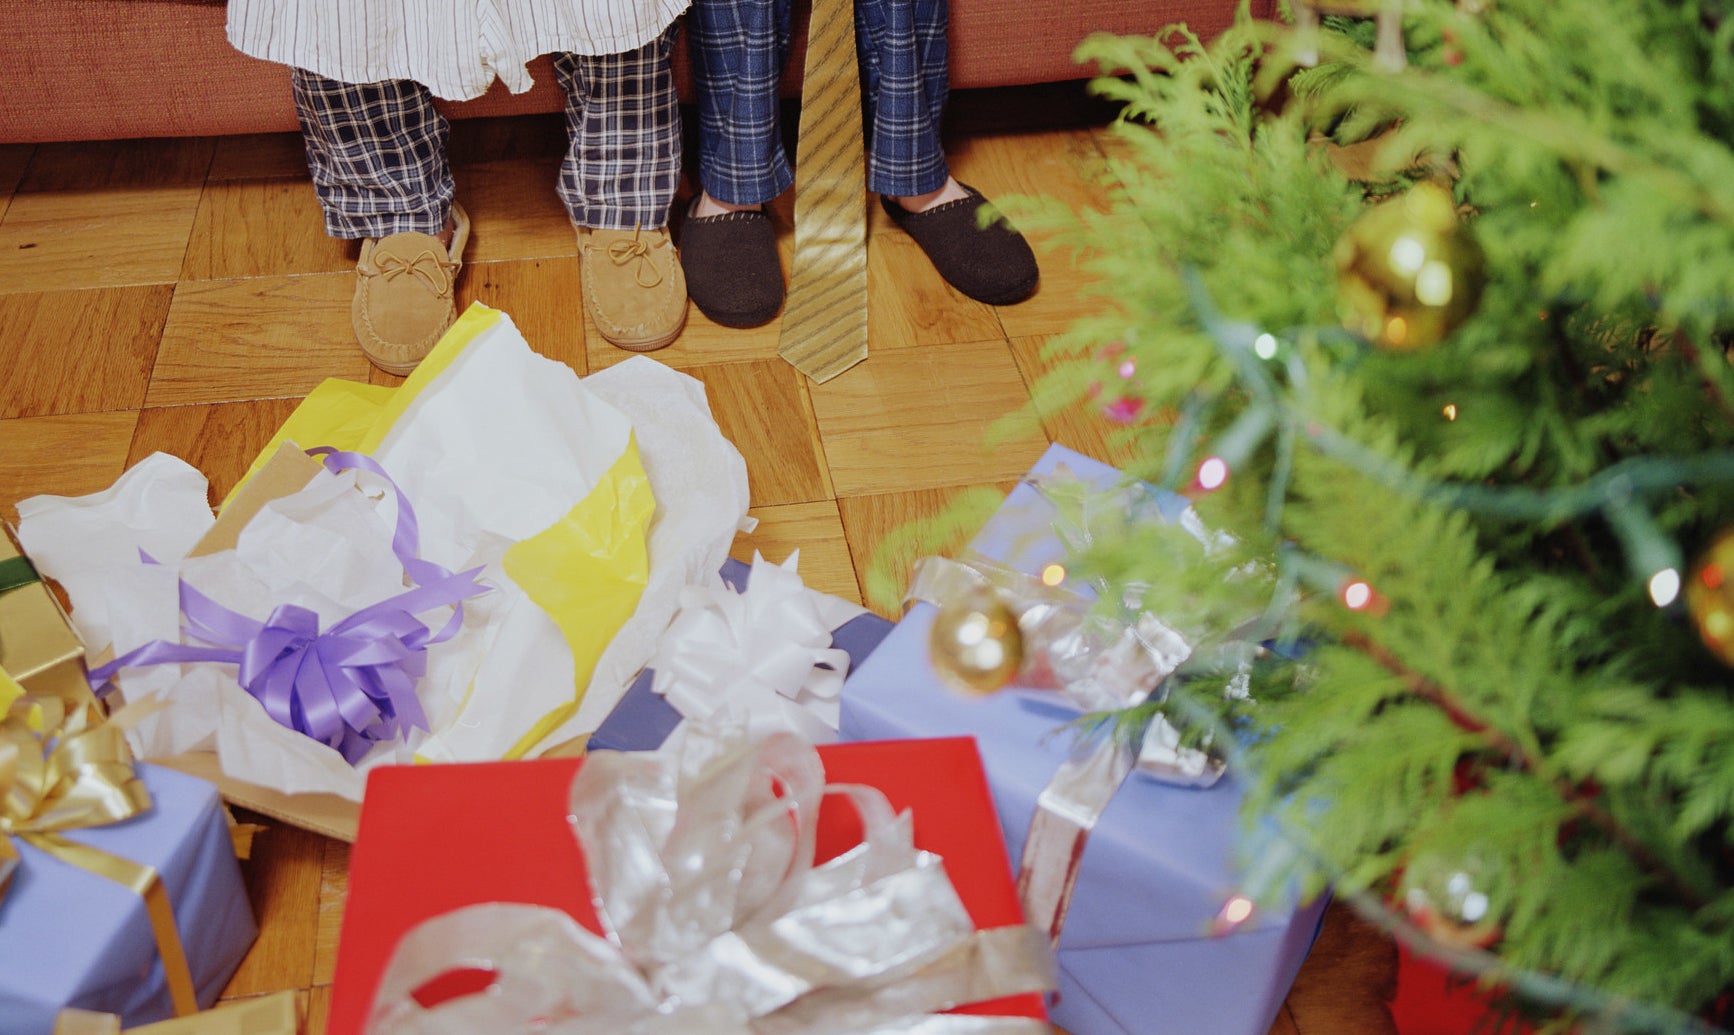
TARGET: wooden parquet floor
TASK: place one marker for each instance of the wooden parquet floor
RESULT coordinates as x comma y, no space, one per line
180,295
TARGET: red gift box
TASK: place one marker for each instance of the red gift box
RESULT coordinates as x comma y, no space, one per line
437,838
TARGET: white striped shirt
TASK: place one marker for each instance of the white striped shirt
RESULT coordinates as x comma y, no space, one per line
455,48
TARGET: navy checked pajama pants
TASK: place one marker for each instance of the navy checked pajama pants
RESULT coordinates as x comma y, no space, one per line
378,150
738,48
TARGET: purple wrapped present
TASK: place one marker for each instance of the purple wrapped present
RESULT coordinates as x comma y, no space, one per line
70,938
644,718
1142,951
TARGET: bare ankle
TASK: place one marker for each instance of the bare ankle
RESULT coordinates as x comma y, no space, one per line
951,190
709,206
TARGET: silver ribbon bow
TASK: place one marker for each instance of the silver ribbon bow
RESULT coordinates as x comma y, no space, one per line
716,920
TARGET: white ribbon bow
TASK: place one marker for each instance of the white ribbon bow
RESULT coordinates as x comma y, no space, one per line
718,922
764,653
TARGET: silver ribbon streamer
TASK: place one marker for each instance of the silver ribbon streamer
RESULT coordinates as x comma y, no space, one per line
1096,663
716,919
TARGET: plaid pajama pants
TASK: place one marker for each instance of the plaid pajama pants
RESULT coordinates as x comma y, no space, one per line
378,150
738,49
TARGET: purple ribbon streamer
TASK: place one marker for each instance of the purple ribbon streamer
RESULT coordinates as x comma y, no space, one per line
350,686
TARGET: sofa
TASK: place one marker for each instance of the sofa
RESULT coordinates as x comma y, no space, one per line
117,69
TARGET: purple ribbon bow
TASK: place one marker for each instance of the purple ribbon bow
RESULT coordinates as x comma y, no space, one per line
349,686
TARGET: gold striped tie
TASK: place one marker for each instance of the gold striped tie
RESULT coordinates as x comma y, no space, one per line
824,329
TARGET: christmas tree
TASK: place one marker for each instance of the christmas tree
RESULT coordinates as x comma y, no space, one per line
1433,317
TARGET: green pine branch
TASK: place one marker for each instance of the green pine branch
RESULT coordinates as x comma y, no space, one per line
1516,709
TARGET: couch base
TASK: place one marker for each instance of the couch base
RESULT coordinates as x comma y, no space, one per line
115,69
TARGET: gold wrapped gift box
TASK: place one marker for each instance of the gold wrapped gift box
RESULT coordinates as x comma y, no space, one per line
269,1015
37,646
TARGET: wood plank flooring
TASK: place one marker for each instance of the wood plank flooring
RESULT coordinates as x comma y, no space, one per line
181,295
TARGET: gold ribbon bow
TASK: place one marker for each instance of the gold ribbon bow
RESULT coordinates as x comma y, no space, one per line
61,772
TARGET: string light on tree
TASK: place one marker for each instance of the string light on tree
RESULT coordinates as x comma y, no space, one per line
1360,596
1409,272
1212,473
1652,557
1126,408
1236,911
1233,447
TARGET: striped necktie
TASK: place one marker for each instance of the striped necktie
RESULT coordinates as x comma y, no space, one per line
824,330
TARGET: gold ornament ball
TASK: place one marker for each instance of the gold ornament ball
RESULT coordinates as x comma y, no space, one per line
1710,596
1409,272
975,642
1448,904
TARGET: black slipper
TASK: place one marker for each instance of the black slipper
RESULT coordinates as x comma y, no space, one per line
991,264
732,271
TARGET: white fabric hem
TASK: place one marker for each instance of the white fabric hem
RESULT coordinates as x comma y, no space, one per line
448,83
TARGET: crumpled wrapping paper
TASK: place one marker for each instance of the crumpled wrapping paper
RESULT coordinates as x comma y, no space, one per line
499,445
763,654
716,920
700,483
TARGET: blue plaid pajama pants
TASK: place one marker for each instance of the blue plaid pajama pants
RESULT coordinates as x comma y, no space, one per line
738,48
378,150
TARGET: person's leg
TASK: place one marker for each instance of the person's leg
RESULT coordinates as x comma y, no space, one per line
618,184
905,69
618,181
738,48
728,245
622,164
904,83
377,152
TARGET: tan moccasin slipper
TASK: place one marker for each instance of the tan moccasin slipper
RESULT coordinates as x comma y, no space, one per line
633,286
404,294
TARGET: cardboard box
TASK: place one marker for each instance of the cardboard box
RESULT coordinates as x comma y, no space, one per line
436,838
1138,956
71,938
274,1014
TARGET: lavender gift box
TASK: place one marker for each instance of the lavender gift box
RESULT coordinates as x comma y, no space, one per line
643,719
1138,956
70,938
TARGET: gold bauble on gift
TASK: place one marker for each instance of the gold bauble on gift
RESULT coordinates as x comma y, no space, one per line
975,642
1409,272
1710,596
